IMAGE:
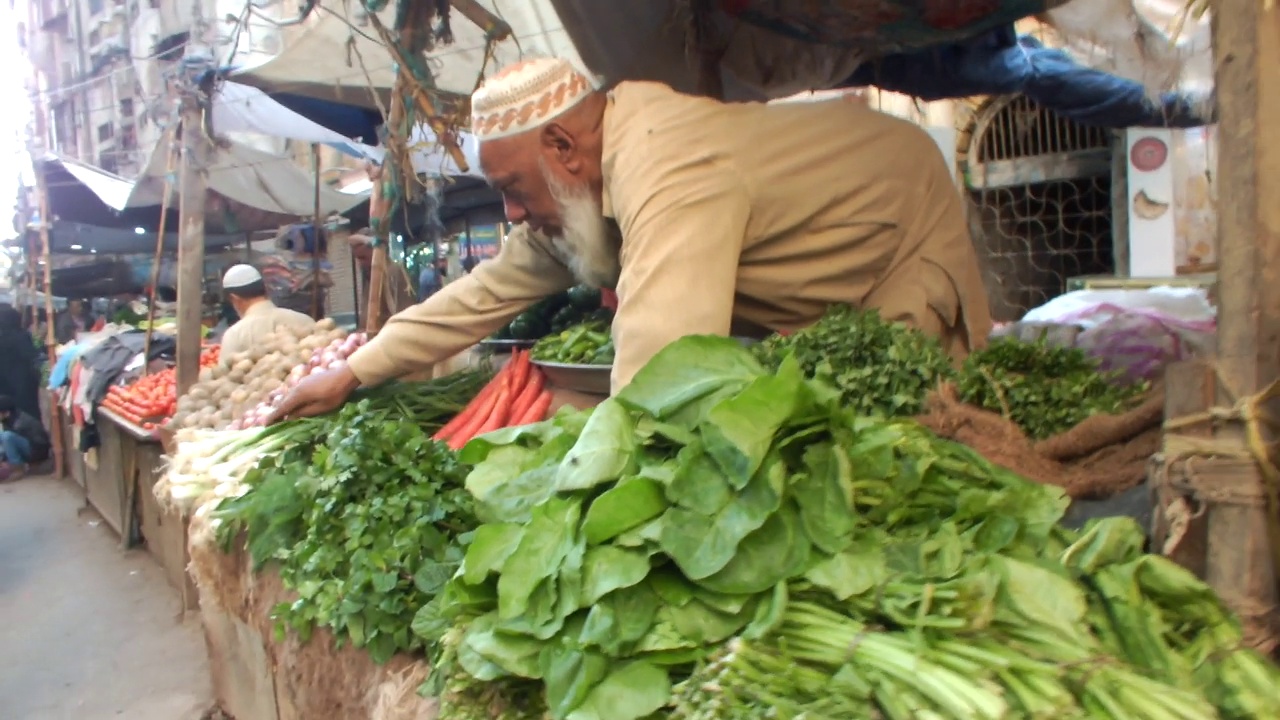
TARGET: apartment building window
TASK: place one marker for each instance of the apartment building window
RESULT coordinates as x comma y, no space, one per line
94,38
128,139
105,132
126,108
108,163
95,7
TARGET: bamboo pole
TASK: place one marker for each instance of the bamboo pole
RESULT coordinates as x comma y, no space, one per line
379,212
315,247
50,342
155,260
191,208
1246,43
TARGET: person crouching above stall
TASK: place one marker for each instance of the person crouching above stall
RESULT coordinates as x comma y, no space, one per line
259,317
698,213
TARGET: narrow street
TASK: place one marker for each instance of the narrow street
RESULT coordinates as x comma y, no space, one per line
88,631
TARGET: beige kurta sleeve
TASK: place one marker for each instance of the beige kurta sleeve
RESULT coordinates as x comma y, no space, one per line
682,227
231,343
464,311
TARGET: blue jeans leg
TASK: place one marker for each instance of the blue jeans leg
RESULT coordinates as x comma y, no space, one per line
17,450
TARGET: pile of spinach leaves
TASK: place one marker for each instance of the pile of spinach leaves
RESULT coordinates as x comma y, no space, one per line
625,542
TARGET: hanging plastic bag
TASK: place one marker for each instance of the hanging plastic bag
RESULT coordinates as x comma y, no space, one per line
1137,332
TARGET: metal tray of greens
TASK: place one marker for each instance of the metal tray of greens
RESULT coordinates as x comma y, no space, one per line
589,379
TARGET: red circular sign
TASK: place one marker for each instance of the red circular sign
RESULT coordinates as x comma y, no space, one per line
1149,154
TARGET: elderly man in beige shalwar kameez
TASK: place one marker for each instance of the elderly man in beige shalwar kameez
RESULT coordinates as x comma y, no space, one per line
701,213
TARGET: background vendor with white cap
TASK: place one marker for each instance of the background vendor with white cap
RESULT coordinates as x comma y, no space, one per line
259,317
700,214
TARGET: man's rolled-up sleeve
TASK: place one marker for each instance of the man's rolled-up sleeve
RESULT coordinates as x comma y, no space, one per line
680,251
465,311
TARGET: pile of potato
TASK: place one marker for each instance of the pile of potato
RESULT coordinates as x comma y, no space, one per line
330,357
242,382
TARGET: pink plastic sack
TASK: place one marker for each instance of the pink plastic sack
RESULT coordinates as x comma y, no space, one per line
1140,342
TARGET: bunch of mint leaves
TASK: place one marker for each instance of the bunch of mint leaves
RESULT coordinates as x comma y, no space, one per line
881,368
1044,389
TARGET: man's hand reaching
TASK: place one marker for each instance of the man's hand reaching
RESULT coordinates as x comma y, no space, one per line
317,395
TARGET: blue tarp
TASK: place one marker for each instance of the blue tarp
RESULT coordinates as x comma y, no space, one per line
349,120
1001,63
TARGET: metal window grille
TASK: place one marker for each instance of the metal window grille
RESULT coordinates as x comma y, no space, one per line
1039,192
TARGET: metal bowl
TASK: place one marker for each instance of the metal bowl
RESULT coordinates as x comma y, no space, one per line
589,379
495,346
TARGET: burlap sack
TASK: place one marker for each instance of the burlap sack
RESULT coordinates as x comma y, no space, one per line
1102,456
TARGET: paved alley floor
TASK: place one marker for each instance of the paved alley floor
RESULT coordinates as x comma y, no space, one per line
88,632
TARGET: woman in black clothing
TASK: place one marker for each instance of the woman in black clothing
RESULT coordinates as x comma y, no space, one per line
19,363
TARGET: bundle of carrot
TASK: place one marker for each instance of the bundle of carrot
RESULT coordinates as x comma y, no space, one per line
515,396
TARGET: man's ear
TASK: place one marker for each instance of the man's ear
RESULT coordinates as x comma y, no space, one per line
559,145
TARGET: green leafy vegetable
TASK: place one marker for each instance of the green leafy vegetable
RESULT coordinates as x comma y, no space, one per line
1044,389
880,368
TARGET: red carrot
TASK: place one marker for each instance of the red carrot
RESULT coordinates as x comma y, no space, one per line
538,411
480,413
519,373
528,396
467,412
501,410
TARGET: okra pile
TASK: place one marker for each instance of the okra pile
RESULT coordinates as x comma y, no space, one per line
585,344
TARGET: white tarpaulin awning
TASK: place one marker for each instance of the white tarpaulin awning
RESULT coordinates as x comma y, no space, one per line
260,180
336,47
251,177
113,190
246,109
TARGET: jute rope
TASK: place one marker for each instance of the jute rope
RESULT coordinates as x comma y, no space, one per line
1226,470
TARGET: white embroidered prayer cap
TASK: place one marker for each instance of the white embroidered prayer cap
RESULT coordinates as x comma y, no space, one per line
239,276
526,95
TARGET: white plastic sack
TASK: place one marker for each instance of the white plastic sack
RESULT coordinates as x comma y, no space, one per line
1137,332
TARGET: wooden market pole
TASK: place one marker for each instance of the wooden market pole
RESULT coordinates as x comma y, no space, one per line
50,341
156,259
193,188
315,243
379,214
1240,552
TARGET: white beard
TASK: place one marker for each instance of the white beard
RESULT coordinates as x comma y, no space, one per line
586,242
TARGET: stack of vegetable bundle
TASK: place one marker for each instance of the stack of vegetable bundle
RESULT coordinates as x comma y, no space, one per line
1042,388
886,369
865,567
585,344
516,396
214,464
228,389
365,520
